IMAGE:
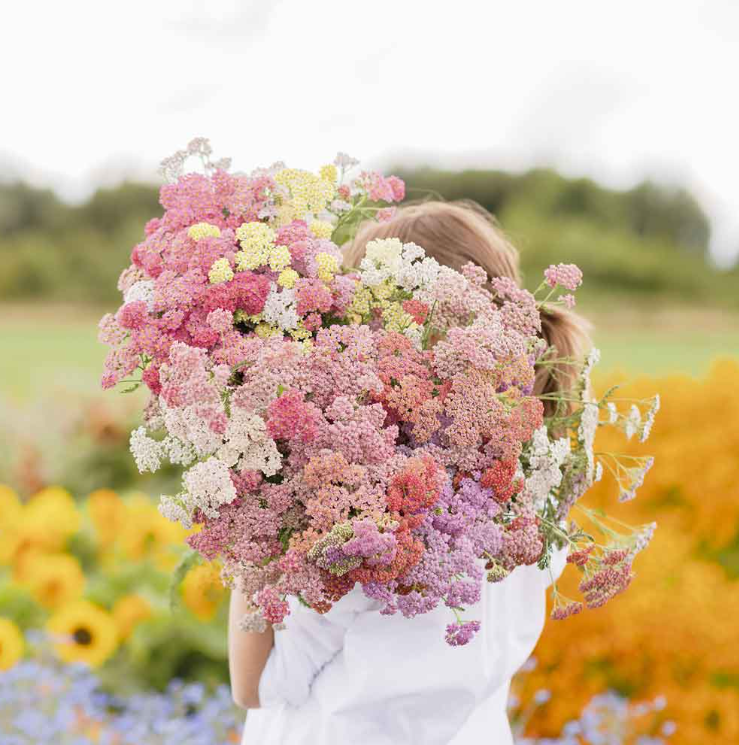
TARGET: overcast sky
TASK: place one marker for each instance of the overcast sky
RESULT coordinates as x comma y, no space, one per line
94,91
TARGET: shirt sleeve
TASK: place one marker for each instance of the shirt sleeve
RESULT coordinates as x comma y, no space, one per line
304,647
359,659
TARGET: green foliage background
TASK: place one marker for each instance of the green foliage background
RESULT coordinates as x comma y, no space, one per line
649,243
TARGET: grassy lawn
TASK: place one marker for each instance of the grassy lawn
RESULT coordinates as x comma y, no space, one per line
56,347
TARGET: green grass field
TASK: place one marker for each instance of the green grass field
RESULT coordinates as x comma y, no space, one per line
56,347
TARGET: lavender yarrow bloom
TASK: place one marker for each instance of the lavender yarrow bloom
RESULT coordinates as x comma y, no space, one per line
377,549
459,634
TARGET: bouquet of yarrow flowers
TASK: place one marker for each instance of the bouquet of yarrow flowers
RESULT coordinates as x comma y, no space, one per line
374,427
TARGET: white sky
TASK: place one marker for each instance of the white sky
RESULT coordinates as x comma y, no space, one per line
93,91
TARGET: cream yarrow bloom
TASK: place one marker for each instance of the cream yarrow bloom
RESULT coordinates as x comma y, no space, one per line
321,228
279,258
220,272
328,265
288,278
203,230
386,252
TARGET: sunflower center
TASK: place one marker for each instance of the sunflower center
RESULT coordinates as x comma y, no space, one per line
82,636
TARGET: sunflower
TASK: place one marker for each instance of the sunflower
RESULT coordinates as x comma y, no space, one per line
10,505
128,611
11,644
147,534
54,579
49,518
10,518
202,590
107,512
85,633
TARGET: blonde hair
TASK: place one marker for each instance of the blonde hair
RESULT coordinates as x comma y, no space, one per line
457,232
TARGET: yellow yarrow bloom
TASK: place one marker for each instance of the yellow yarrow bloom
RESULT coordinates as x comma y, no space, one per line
55,579
202,590
203,230
300,333
382,291
241,317
308,192
285,215
279,258
266,330
12,644
329,173
255,236
288,278
361,301
220,272
257,242
306,345
396,319
328,265
85,632
129,611
321,228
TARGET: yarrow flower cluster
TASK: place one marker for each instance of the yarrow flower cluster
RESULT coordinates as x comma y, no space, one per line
375,428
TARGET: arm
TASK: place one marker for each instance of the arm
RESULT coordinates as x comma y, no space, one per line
247,655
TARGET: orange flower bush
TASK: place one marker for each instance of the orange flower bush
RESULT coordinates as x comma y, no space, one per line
675,632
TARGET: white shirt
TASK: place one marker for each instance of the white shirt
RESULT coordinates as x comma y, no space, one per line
354,676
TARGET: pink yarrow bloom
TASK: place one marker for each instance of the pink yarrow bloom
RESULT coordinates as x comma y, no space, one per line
568,276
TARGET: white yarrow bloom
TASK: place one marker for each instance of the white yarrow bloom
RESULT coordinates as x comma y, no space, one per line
344,161
174,510
419,275
633,421
279,308
208,485
141,290
185,424
248,446
612,413
339,205
179,452
147,452
586,435
415,334
649,421
545,464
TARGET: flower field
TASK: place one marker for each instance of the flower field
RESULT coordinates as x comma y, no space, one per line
83,561
674,633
